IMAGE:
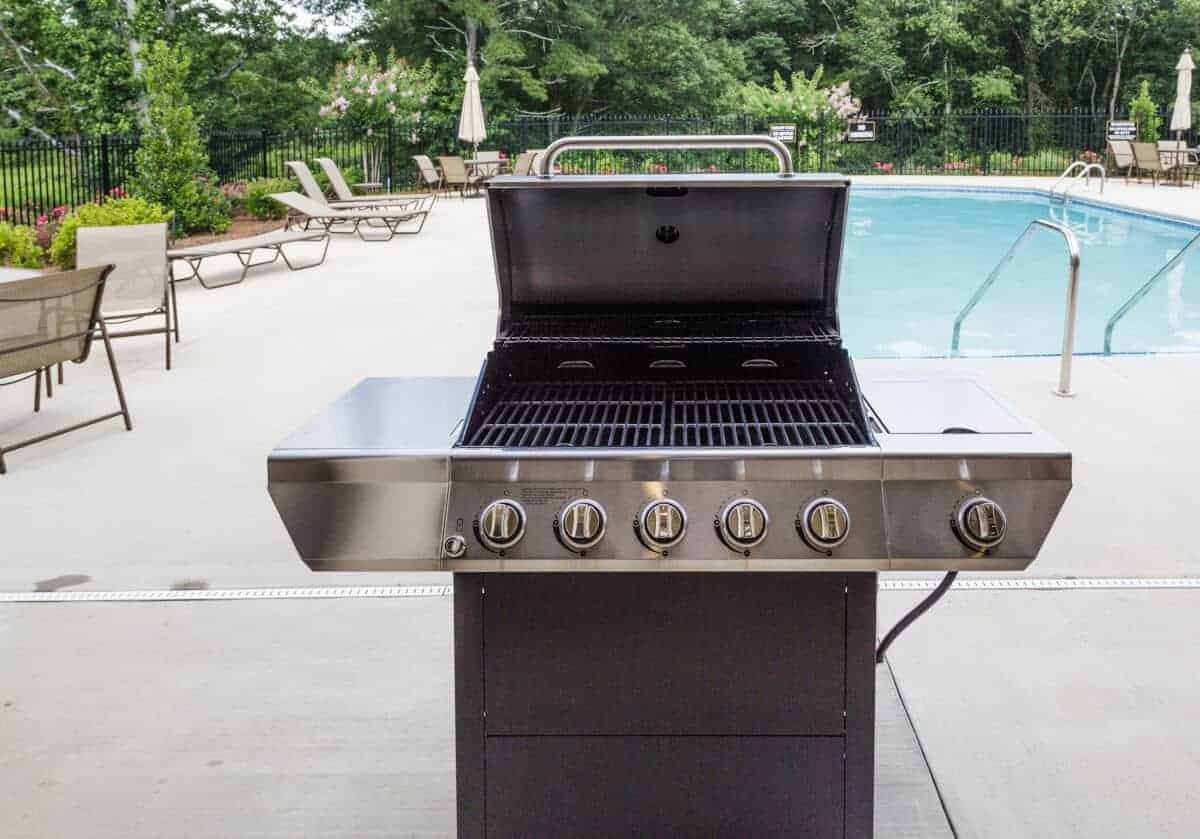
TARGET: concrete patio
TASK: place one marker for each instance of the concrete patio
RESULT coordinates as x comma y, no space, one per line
1041,713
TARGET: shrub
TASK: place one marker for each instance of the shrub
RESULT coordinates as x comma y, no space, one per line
1144,112
257,202
116,212
19,247
172,164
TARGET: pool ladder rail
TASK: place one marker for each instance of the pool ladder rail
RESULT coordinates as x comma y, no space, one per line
1143,291
1074,174
1068,344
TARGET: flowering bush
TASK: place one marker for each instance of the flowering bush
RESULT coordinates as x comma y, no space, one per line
18,246
363,92
47,223
1089,156
114,212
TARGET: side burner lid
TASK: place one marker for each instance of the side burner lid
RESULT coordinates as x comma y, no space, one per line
619,257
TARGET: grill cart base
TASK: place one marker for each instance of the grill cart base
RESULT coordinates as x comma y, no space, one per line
707,704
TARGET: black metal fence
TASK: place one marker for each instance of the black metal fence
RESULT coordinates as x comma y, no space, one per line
36,176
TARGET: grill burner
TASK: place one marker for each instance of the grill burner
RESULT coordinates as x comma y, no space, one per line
638,414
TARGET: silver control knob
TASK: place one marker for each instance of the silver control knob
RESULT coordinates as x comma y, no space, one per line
743,523
825,523
501,524
662,524
980,523
581,524
454,546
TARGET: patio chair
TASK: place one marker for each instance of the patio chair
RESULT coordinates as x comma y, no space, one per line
313,190
327,218
1146,160
1176,156
456,176
47,320
1121,151
346,196
140,285
429,173
524,163
488,164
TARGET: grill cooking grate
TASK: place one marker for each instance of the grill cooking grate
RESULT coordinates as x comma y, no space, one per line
700,414
745,328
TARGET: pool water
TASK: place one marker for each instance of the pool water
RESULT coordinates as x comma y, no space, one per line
913,259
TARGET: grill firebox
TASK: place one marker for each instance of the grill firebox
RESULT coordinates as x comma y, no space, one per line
700,414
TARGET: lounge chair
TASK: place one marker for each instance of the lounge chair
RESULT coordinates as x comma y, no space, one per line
47,320
328,218
456,176
524,163
347,197
1121,151
1146,160
429,172
244,250
139,286
313,190
1177,157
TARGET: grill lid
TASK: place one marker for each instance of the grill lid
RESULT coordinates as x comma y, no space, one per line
643,258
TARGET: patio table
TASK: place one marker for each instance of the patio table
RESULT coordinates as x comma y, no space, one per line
1175,159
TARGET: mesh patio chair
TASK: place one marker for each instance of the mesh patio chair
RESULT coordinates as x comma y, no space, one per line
347,198
48,320
139,286
429,173
1147,161
455,175
524,163
489,164
1177,157
1121,151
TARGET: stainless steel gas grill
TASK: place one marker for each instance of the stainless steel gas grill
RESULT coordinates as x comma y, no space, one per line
667,393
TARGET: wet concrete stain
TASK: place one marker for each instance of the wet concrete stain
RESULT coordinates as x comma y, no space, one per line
215,763
61,582
190,585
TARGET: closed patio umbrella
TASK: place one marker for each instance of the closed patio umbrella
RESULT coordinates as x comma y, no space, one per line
470,122
1181,114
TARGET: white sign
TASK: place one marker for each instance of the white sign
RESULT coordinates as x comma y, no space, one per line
861,131
1122,129
785,132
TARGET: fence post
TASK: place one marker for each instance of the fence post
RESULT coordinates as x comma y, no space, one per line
105,170
524,133
390,153
266,171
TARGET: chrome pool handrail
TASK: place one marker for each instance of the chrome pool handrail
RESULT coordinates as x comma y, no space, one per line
1085,173
1068,345
655,143
1142,292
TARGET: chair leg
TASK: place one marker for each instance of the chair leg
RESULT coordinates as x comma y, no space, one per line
49,384
37,391
167,329
60,373
116,377
175,307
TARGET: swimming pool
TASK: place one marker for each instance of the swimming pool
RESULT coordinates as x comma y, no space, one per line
915,256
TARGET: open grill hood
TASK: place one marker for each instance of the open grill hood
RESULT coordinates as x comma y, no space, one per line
735,258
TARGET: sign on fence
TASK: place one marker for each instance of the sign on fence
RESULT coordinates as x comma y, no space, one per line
1121,129
785,132
861,131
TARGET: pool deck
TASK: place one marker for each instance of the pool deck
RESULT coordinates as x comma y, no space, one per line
1050,713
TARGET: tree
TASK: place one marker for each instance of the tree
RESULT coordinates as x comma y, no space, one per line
171,162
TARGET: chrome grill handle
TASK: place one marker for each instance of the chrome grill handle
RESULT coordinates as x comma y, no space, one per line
690,141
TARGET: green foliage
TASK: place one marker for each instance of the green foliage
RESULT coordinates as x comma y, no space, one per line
364,92
1144,112
19,247
118,211
171,162
257,202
